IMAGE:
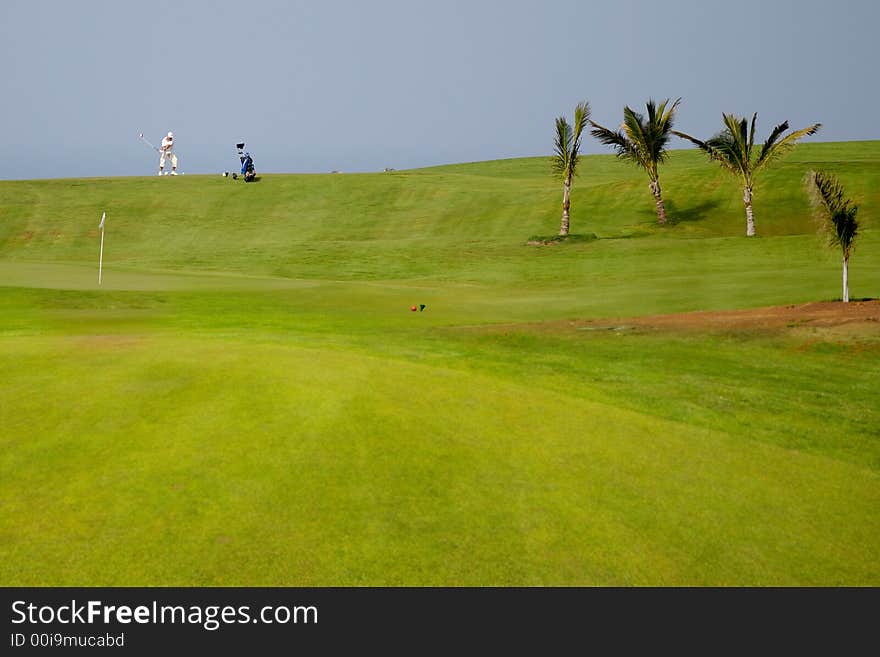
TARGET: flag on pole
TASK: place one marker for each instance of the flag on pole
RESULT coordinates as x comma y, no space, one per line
101,257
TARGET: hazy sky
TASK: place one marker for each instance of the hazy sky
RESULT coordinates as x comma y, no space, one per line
351,85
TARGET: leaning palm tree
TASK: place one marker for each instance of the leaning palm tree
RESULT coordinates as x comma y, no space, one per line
643,142
838,217
734,149
565,159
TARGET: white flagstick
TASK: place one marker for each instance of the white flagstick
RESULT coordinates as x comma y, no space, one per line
101,258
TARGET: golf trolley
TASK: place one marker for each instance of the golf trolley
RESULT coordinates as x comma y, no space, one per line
247,165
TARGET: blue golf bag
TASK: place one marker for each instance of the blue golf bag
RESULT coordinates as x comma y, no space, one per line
247,163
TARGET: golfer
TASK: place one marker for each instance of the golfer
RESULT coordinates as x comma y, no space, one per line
167,151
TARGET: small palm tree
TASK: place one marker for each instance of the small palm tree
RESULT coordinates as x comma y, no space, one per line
734,149
567,155
643,142
838,216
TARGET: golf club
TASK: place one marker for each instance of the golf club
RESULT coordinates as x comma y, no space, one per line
143,139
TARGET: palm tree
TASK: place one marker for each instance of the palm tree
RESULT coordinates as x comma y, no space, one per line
838,216
734,149
643,142
567,156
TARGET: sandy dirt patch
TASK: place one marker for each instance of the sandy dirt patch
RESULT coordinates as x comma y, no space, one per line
821,314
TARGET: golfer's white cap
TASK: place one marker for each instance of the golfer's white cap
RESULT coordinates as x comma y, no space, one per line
170,134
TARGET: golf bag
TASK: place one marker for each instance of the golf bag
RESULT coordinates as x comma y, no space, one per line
247,163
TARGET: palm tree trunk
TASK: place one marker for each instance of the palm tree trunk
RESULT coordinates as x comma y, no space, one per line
566,206
750,215
846,279
658,200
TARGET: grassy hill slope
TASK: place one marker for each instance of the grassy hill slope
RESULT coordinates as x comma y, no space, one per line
465,224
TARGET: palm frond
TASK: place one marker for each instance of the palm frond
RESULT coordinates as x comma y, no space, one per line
696,142
649,134
562,146
568,141
773,149
634,125
565,159
651,108
771,140
656,132
835,211
728,150
581,118
705,146
582,114
667,117
752,131
719,149
729,153
641,139
616,140
662,128
738,131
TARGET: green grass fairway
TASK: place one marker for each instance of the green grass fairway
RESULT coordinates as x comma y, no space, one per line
248,400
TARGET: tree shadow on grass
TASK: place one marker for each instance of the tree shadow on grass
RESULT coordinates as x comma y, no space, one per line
647,219
648,226
676,214
633,234
550,240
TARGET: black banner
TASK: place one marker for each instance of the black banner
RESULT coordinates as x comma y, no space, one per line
426,620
